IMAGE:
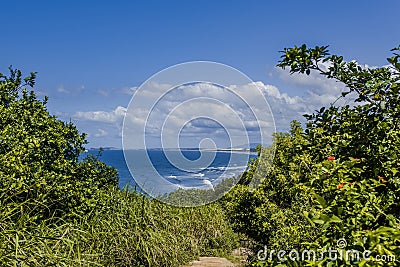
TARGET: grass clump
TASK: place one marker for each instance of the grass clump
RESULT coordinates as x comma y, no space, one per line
129,230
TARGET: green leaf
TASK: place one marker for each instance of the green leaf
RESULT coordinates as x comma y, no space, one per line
318,221
335,219
345,93
321,200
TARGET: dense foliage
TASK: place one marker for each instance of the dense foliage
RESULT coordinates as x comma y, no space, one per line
339,178
39,155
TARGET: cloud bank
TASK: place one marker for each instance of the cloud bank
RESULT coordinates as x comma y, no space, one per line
176,110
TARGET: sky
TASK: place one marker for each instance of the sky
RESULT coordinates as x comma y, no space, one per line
93,56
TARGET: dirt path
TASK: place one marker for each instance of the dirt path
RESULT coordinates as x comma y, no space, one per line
240,254
211,262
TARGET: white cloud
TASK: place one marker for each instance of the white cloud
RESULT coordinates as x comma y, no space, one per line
101,133
129,90
195,110
102,92
121,91
113,116
199,111
314,82
319,90
62,89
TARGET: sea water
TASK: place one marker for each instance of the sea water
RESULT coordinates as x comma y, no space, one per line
224,164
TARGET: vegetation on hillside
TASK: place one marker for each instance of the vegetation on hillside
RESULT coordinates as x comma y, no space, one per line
58,211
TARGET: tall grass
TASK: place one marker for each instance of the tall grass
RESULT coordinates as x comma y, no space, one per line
128,229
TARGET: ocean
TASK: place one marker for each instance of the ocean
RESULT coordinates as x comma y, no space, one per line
183,168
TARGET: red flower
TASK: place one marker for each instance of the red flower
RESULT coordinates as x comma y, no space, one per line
340,186
353,183
356,159
382,179
331,158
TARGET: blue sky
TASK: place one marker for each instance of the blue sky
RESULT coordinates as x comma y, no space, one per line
90,53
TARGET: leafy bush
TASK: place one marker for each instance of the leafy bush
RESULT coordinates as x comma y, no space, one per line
339,178
39,155
272,213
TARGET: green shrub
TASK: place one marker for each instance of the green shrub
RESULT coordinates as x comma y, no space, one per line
272,213
39,155
337,179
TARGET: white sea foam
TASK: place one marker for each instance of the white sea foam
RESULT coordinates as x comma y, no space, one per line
209,184
224,168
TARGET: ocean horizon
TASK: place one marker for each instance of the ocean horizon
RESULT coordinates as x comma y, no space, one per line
189,170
